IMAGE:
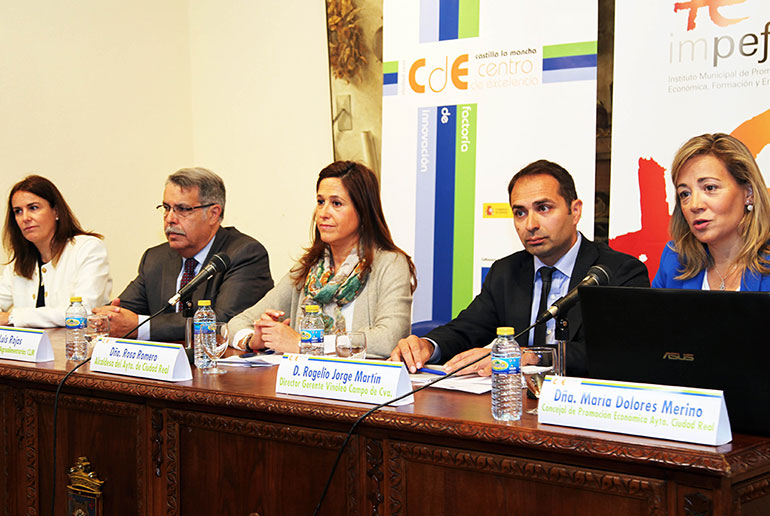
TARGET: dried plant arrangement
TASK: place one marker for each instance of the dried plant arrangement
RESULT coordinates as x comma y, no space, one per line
346,48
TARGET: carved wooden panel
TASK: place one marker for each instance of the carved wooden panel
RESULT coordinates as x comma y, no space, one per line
756,457
7,448
374,475
110,433
755,492
396,466
510,483
697,504
583,445
287,465
156,441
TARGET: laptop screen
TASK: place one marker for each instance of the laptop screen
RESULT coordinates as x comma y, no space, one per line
689,338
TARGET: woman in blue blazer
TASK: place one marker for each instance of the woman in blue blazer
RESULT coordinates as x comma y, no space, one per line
721,222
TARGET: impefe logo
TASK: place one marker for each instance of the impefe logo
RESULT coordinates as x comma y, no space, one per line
713,9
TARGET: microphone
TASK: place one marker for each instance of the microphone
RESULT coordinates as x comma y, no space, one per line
218,263
597,275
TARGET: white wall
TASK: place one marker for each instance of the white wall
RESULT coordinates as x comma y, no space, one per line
108,97
261,113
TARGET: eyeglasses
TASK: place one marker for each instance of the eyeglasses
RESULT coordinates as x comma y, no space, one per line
181,211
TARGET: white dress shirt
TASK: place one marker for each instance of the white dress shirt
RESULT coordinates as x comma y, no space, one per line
559,287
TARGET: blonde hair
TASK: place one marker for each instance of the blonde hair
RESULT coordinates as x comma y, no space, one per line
754,227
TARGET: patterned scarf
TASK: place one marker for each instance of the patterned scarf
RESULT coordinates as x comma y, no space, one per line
322,288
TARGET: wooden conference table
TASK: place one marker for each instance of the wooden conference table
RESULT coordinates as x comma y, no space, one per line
229,445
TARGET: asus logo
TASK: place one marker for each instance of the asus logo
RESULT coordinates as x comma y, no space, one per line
673,355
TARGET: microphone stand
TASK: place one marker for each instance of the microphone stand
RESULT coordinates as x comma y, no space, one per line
562,336
188,312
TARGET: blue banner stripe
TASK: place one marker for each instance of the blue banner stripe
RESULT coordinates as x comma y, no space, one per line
422,306
561,63
449,19
390,78
569,74
429,21
389,89
443,240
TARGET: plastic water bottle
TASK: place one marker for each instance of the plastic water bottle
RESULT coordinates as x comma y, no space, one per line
75,336
311,331
204,333
506,376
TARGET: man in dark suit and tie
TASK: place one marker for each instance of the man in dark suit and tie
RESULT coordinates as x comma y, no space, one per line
556,257
193,207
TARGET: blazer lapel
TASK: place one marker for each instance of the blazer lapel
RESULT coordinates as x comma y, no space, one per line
751,282
211,285
519,304
171,267
587,257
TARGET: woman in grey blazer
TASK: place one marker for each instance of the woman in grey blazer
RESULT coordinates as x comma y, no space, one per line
361,280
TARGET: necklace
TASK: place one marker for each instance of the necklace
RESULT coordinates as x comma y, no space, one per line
722,278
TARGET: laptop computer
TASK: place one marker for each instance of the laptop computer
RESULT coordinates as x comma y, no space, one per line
690,338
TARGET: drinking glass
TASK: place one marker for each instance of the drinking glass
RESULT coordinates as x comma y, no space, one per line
97,327
351,344
536,364
215,348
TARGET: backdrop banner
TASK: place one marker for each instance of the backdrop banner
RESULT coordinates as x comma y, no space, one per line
472,92
681,69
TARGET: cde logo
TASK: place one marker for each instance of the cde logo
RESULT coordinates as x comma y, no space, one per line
437,75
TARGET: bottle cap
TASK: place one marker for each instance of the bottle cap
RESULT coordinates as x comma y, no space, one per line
204,302
76,299
505,330
311,309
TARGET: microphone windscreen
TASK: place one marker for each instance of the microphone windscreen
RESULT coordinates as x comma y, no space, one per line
220,261
601,273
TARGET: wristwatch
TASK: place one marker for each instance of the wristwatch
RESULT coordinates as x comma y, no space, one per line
246,340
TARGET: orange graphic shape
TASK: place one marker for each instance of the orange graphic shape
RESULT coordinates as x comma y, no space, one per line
754,133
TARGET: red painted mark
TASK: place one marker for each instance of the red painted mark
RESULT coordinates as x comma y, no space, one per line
647,243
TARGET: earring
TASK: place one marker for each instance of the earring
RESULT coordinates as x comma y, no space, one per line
749,207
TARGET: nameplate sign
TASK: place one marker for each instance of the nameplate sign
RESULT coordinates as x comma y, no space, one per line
154,360
661,411
363,381
25,344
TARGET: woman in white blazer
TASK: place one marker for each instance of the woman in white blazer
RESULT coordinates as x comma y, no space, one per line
361,280
51,258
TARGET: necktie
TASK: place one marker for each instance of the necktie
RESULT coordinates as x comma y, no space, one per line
187,275
546,274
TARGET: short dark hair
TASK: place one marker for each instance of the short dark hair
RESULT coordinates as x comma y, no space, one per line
566,183
21,251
